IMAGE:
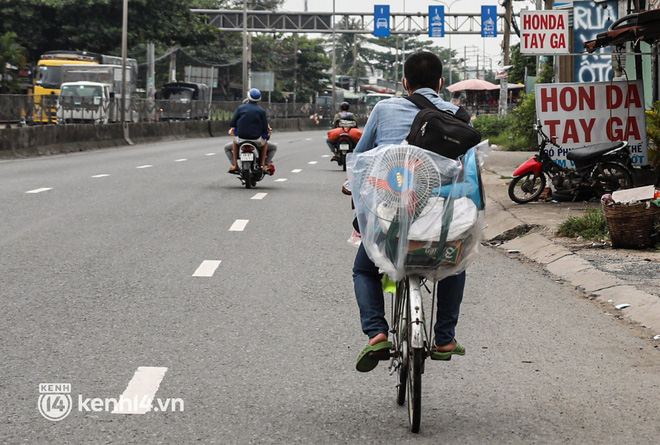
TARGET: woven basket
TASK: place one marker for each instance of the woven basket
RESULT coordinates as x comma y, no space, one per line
631,226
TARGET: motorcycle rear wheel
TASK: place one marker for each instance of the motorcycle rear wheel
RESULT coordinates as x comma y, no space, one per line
246,174
614,177
526,188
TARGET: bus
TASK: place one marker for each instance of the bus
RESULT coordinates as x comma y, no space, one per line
49,77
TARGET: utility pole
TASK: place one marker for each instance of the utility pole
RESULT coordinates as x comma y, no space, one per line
245,55
506,41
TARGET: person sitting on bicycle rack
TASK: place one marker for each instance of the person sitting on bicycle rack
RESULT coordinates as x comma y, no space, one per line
344,116
250,124
389,123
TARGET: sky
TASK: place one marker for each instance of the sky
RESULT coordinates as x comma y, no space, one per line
491,45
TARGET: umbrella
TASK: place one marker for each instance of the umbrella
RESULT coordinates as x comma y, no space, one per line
473,84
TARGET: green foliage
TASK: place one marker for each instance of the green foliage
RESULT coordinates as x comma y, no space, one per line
653,134
591,226
96,25
490,125
11,54
520,62
524,115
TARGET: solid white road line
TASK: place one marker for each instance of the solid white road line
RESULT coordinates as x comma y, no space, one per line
259,196
239,225
312,162
207,268
280,180
144,166
180,160
43,189
297,170
103,175
142,387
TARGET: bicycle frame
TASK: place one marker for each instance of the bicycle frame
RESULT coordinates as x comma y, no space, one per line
417,323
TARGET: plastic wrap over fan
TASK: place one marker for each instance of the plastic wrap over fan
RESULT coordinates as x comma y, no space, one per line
419,213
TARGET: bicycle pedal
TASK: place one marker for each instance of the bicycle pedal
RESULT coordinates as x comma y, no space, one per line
380,355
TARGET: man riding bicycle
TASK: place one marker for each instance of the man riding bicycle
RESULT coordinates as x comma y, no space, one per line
389,123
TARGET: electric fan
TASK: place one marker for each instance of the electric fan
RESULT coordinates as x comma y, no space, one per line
399,182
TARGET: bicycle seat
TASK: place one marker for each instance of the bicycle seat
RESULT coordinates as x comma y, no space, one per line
592,151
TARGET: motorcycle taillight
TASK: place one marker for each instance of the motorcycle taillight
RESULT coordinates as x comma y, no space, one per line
247,148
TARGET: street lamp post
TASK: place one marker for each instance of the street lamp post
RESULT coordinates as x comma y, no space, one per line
450,55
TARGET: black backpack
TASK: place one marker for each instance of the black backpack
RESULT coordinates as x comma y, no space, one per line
440,131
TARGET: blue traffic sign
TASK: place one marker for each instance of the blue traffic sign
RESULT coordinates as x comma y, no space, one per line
382,20
436,21
489,21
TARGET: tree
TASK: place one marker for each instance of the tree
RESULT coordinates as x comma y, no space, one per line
96,25
519,63
302,69
11,54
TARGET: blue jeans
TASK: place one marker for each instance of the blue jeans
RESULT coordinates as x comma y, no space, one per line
371,301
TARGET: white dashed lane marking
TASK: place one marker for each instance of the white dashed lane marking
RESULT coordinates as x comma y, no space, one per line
312,162
325,156
103,175
259,196
42,189
144,166
297,170
180,160
142,387
280,180
207,268
308,139
239,225
210,154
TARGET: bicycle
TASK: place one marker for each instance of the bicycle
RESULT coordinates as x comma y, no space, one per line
410,344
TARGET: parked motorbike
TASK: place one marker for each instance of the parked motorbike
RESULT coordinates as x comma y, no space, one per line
250,171
599,169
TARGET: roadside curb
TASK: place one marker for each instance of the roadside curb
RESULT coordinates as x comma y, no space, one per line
501,225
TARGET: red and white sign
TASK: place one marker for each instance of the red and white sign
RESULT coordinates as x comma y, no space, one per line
582,114
544,32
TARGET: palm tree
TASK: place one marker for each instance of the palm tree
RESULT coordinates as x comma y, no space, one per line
12,56
352,58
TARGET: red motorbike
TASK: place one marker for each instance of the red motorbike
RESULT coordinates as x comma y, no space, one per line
599,169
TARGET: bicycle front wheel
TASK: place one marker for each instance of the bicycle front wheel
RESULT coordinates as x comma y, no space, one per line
415,363
401,317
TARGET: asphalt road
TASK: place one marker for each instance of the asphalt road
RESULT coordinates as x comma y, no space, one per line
98,289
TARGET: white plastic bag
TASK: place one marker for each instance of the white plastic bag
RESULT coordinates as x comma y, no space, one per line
419,213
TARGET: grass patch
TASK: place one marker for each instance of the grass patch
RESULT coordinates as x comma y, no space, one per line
590,226
511,143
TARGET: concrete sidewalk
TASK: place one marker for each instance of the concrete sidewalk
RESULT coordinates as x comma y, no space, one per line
529,229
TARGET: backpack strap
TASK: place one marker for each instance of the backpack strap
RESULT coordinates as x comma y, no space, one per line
422,102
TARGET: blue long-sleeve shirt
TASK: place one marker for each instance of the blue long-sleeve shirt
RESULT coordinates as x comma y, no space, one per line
391,119
250,121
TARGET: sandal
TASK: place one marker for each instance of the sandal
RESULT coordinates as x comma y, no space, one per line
365,362
446,355
232,170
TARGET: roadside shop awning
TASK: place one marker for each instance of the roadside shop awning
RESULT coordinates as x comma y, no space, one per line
472,85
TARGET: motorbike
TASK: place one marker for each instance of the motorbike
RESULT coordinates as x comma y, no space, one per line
250,171
599,169
343,146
